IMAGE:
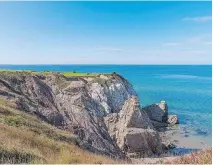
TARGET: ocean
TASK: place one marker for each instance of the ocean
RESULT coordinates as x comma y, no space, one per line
187,89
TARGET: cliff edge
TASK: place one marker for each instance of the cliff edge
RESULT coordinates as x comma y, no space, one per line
102,111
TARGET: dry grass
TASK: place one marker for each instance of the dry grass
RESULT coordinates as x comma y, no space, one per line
15,118
202,157
25,139
28,147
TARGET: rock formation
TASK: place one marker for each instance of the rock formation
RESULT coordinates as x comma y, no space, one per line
158,113
172,120
133,131
103,111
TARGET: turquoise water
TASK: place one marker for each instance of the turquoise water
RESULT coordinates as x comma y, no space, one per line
187,89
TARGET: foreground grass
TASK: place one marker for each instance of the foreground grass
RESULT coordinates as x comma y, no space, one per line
25,139
202,157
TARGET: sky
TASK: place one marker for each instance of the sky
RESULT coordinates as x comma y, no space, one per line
105,32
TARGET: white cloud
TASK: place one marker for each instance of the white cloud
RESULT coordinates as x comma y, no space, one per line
107,49
172,44
202,52
207,43
198,19
192,41
200,40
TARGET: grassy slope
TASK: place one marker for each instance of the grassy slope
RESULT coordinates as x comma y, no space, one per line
202,157
67,74
25,139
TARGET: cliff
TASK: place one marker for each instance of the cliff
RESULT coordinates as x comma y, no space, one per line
24,138
102,111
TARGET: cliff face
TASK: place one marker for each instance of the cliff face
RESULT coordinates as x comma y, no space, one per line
103,111
133,131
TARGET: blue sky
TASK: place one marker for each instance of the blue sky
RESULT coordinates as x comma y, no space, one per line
105,32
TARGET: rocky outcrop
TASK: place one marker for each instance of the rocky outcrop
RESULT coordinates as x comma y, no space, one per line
158,113
172,120
103,111
133,131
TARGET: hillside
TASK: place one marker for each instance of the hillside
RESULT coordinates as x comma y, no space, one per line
49,117
25,139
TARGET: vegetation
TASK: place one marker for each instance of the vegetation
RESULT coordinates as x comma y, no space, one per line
25,139
67,74
21,73
202,157
77,74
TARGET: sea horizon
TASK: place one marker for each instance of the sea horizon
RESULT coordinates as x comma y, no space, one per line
125,80
115,64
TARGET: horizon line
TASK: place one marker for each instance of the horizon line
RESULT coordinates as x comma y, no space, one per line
105,64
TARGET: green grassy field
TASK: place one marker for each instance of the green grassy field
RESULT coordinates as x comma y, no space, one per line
78,74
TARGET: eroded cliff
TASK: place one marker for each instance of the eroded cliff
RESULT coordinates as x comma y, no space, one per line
103,111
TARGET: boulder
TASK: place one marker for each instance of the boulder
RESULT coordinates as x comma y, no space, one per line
158,124
172,119
141,142
133,131
169,145
157,112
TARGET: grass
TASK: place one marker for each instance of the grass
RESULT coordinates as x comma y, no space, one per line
202,157
23,72
25,139
78,74
15,118
67,74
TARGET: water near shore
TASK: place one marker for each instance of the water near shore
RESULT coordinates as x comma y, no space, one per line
187,90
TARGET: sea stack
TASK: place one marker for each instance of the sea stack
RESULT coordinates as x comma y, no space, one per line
158,113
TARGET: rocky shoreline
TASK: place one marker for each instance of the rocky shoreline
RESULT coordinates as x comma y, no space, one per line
102,111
